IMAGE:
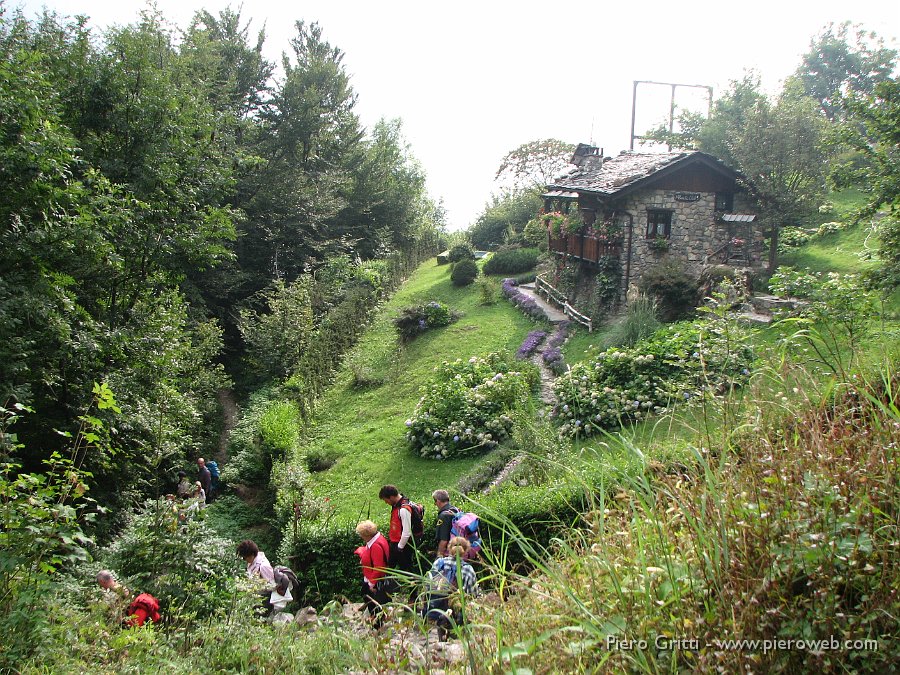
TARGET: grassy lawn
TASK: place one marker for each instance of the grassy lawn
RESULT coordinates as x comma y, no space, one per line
845,252
364,427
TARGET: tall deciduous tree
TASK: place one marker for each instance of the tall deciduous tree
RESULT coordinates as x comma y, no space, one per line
534,164
844,59
778,147
873,128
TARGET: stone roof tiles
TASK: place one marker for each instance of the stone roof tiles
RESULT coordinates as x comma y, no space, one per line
618,173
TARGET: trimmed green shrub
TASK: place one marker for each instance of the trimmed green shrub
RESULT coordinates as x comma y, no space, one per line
461,252
464,272
464,409
674,289
512,261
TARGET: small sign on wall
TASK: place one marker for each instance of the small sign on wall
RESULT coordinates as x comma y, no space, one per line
687,196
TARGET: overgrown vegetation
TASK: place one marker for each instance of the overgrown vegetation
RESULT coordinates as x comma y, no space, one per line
202,223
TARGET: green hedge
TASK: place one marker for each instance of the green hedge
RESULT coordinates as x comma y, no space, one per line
327,568
512,261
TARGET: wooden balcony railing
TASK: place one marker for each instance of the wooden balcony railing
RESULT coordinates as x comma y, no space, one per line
584,247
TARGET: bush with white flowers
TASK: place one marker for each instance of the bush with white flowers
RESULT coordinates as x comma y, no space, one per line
680,363
465,409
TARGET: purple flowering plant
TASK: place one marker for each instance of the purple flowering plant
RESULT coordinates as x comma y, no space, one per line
530,344
524,302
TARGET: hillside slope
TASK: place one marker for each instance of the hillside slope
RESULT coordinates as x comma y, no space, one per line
362,427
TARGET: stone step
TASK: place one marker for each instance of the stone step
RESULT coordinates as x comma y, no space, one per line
768,304
553,315
754,318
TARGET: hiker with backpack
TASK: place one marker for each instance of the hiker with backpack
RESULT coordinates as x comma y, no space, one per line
204,476
287,587
446,511
454,522
261,570
450,582
213,491
142,608
278,585
373,557
406,525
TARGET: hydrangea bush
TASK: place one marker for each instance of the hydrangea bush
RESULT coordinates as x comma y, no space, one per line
679,363
465,409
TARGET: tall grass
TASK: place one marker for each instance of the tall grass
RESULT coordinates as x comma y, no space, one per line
640,320
788,531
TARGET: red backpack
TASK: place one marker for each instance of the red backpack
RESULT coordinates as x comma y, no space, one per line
143,607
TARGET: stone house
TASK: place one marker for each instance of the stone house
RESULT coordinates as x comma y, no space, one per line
645,208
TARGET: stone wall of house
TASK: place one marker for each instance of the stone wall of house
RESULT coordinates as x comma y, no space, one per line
695,232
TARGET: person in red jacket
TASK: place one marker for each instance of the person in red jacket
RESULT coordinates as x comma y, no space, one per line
373,557
400,532
141,608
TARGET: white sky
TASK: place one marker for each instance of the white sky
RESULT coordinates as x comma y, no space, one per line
473,80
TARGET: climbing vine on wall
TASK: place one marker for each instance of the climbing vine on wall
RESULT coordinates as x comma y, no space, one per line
609,278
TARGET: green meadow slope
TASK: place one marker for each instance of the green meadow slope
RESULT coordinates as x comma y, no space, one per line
363,427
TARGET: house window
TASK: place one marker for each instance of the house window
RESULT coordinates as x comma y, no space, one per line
659,223
725,201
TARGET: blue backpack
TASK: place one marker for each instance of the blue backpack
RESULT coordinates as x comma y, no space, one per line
213,469
445,579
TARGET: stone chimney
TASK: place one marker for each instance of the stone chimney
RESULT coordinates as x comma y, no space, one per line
587,157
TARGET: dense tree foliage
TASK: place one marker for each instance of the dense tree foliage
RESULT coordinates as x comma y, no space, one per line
165,195
504,218
873,129
844,60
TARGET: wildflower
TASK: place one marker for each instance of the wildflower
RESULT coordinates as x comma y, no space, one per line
409,423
